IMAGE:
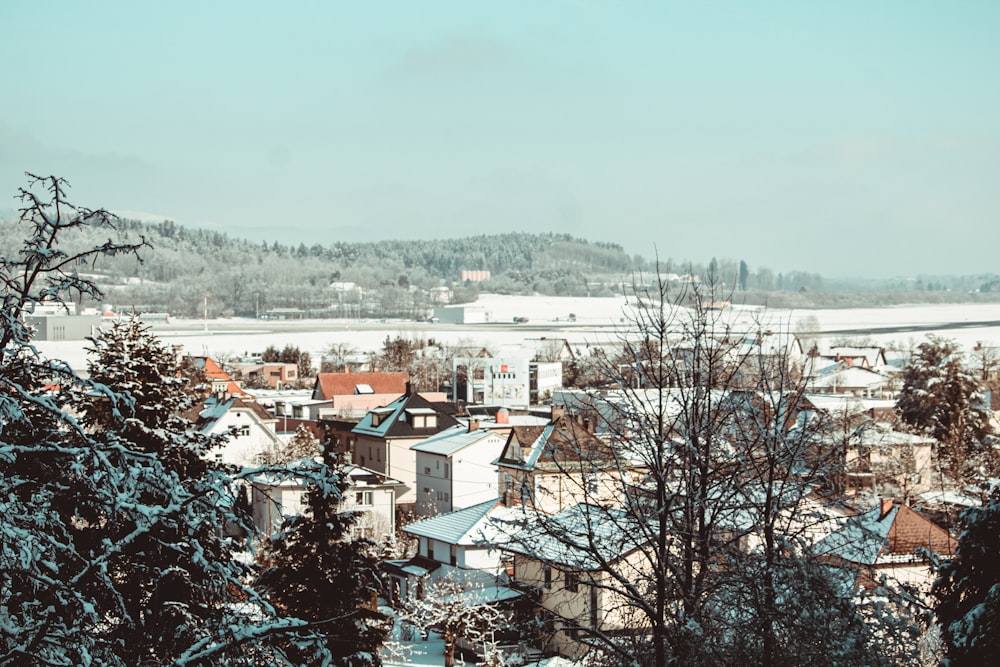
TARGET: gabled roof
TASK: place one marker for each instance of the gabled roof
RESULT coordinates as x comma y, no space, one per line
395,420
881,434
211,369
888,533
869,357
851,376
580,537
562,441
329,385
486,524
452,440
205,415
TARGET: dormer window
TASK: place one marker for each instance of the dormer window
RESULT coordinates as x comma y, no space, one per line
421,417
380,415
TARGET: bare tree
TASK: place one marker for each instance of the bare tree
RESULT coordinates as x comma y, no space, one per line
691,541
448,606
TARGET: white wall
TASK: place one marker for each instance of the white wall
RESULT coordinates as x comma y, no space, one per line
240,449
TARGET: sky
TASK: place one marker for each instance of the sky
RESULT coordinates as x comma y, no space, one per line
849,138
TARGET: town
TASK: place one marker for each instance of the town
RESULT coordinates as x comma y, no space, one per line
704,487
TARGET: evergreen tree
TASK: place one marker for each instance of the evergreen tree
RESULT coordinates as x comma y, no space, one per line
941,398
315,570
968,589
110,551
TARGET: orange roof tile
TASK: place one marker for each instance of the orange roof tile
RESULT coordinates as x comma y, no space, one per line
329,385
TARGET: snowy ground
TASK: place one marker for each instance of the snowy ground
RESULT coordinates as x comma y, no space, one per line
597,320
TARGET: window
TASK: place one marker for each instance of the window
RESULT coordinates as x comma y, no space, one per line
446,471
547,573
571,582
363,498
430,549
454,556
243,431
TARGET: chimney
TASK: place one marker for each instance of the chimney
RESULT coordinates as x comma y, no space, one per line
557,412
503,416
887,504
473,425
409,388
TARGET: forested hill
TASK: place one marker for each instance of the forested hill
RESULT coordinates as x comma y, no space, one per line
394,278
245,278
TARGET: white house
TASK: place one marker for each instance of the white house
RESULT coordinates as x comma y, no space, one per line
455,469
251,428
371,494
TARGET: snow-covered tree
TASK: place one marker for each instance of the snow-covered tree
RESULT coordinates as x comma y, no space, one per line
456,610
110,543
941,398
314,570
968,589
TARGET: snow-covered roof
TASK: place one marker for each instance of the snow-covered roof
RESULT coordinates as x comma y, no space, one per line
487,523
847,404
577,535
851,376
888,533
452,440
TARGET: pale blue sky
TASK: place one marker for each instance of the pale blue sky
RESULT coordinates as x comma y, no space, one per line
849,138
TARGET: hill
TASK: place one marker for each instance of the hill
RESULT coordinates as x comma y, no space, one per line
186,270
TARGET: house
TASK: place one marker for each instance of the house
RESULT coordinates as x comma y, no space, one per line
352,395
251,428
842,378
870,357
330,385
557,465
855,440
470,538
218,379
440,295
888,540
463,546
455,468
885,460
370,494
384,436
272,375
564,566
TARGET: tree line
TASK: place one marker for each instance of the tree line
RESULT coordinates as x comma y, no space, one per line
185,268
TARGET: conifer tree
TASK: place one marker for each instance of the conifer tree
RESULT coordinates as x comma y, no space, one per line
941,398
316,571
110,550
968,589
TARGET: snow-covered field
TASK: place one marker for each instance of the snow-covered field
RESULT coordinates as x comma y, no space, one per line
596,320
